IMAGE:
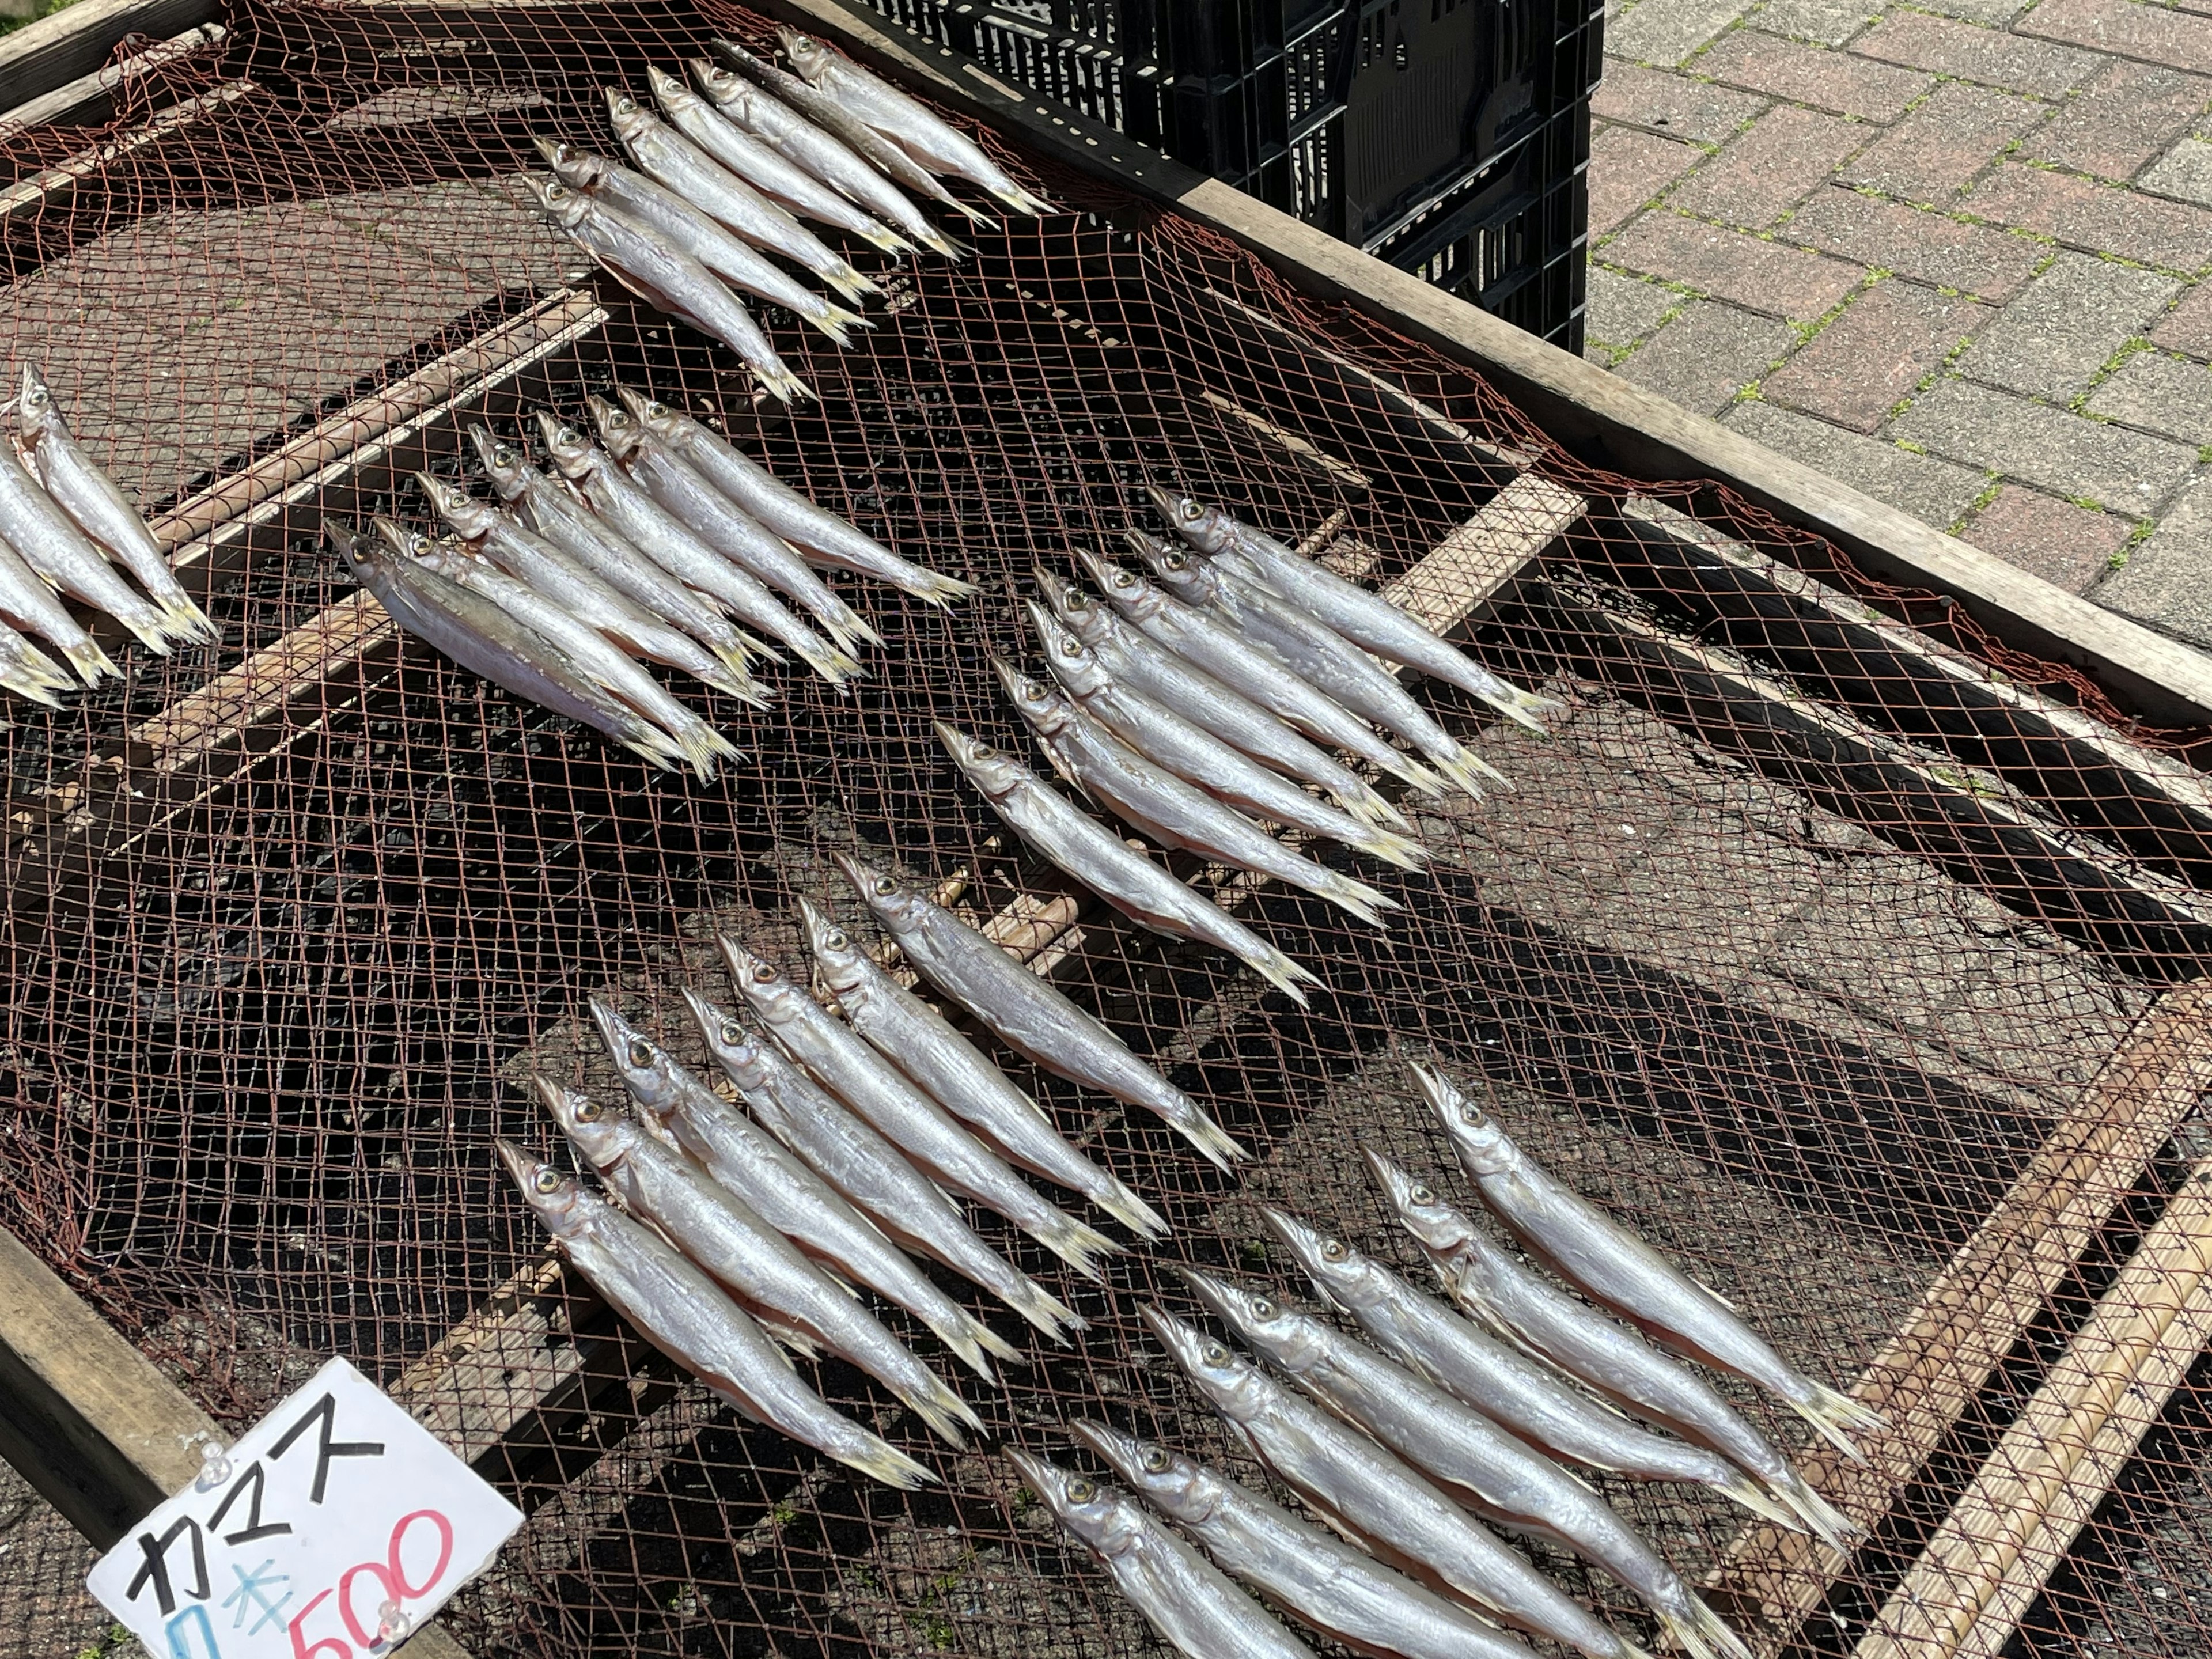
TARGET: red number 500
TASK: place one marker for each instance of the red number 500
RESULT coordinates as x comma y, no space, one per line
391,1574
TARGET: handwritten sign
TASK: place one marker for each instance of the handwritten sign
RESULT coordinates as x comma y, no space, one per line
333,1530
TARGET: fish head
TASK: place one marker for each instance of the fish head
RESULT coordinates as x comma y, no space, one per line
1282,1335
618,428
503,462
1073,663
579,169
648,411
1125,589
568,449
1435,1225
1181,572
671,93
736,1050
561,205
403,542
1097,1515
1209,529
363,558
645,1067
768,991
1483,1146
991,770
1339,1273
629,117
1179,1486
1238,1388
808,56
725,89
557,1198
842,964
600,1134
1074,607
446,557
1044,707
454,505
889,900
35,413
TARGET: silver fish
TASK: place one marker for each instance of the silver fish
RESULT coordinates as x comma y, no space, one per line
1315,652
556,512
724,525
1340,1591
761,167
1366,1493
1192,752
1219,649
670,543
1367,619
47,539
834,118
704,238
1486,1281
936,145
916,1039
723,1234
685,1315
666,277
1176,683
1178,815
845,1151
1029,1014
1182,1595
1102,862
1597,1256
30,672
901,1112
674,162
807,146
27,601
1517,1391
99,508
1458,1446
824,537
485,639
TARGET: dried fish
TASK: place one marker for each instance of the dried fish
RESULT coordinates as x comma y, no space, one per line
47,539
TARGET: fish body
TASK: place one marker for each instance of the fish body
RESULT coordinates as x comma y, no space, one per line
684,1312
1608,1263
1365,1491
1340,1591
93,503
1026,1012
48,540
917,1040
27,601
1174,812
1456,1445
1620,1365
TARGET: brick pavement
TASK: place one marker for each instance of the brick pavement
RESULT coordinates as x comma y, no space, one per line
1955,253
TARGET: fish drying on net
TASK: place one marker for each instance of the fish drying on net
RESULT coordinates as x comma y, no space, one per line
919,1041
681,1311
27,601
1366,618
1028,1014
488,642
28,671
1314,651
724,525
736,1245
95,504
1501,1477
695,232
761,167
1182,1595
1342,1592
807,146
1366,1493
1176,813
48,540
1610,1264
822,536
1177,683
849,1153
1216,646
936,145
1519,1392
905,1114
1484,1279
1109,866
1194,754
678,165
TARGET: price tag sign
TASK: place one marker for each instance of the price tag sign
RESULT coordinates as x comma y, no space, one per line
333,1530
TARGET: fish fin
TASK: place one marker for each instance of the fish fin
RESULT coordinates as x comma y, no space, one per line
1357,897
951,248
1394,848
835,666
832,323
975,215
1464,770
1023,201
786,1336
888,1464
1832,1414
852,319
91,664
1823,1519
1419,775
1131,1211
1700,1631
1375,808
1753,1497
1076,1242
850,282
1044,1310
1280,971
151,625
1523,707
883,236
947,1414
943,590
665,754
1221,1148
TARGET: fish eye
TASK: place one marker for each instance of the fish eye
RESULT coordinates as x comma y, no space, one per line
1333,1249
1471,1114
548,1180
1070,649
1420,1196
587,1111
731,1034
556,192
763,972
625,105
1214,1354
655,411
641,1053
982,751
1261,1308
1081,1491
1187,509
833,939
1156,1459
36,397
885,886
502,456
1174,561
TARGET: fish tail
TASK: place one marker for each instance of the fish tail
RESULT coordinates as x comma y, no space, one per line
835,666
887,1463
1463,769
852,319
1131,1211
1366,903
1700,1631
831,321
1523,707
1023,201
185,618
149,624
1405,766
1825,1521
664,754
719,675
1832,1414
1280,971
849,282
26,682
951,248
975,215
91,664
704,747
1394,848
883,236
1221,1148
1375,807
940,590
852,629
975,1342
1041,1308
1077,1244
1753,1497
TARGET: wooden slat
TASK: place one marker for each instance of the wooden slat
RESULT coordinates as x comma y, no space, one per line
28,194
90,99
79,40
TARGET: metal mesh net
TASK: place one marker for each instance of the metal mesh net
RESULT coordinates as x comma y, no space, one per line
1798,946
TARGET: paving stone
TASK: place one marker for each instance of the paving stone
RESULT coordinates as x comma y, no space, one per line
1951,47
2188,327
1768,277
1936,151
1996,12
1706,356
1979,259
2060,543
1885,344
2068,454
1837,81
1763,171
1933,491
1831,23
2186,171
1667,31
2170,396
1627,168
2120,120
1619,310
2167,582
1674,105
2052,341
2153,34
2100,217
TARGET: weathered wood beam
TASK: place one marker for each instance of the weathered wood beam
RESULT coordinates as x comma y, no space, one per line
52,52
90,99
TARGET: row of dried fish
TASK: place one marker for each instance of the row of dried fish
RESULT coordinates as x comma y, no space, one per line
724,177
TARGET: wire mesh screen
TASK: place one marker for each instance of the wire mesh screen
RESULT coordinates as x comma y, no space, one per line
1797,945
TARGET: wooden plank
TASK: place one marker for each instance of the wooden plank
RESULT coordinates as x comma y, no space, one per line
1974,1312
1998,1546
79,40
90,99
27,196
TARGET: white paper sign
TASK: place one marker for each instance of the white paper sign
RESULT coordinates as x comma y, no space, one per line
339,1526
